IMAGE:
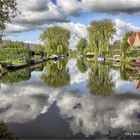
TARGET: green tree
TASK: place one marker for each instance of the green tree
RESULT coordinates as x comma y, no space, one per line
100,35
56,39
116,44
39,51
8,10
82,44
125,45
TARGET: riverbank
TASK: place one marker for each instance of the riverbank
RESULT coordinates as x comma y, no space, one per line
10,67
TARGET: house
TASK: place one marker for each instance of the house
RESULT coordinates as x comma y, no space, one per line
134,41
137,40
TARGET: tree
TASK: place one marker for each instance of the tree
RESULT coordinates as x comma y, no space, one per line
39,50
100,35
8,10
56,39
116,44
125,45
82,44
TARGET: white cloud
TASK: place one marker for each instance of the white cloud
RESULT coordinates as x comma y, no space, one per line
76,76
123,27
69,6
112,6
102,6
35,14
123,86
40,14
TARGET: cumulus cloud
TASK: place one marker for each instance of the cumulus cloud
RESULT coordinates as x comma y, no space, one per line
112,6
69,6
101,6
123,27
35,14
38,15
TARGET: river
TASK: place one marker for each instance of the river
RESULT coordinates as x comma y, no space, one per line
72,98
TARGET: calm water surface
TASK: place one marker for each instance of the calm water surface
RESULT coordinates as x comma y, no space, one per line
72,98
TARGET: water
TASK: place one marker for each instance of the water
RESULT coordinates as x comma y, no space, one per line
72,98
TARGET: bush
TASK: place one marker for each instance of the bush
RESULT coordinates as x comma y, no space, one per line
14,53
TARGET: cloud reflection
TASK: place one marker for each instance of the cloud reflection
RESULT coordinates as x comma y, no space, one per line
89,114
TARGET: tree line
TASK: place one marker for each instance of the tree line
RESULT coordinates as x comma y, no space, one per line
57,39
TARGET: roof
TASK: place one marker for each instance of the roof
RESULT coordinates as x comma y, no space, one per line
131,40
138,34
138,84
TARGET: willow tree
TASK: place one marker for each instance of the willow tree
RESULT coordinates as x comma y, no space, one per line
100,35
8,10
56,39
82,44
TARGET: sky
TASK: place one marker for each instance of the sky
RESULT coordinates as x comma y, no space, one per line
75,15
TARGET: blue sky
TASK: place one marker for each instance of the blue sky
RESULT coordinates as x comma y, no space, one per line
37,15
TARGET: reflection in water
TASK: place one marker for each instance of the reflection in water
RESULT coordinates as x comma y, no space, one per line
100,82
89,115
16,76
5,132
56,74
26,104
81,65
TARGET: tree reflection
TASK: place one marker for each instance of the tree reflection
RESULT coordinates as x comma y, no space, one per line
5,133
127,73
100,83
56,74
123,72
16,76
81,65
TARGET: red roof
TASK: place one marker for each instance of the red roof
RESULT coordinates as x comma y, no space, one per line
138,34
138,84
131,40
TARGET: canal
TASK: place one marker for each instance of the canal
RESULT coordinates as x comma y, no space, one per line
71,98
